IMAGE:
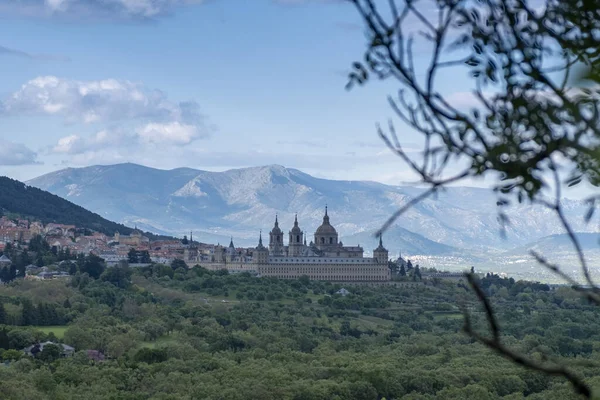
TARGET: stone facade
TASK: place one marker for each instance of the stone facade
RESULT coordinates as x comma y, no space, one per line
325,258
136,239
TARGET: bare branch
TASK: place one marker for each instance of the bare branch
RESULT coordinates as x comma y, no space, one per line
495,344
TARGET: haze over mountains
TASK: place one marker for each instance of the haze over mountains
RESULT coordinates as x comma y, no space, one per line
216,205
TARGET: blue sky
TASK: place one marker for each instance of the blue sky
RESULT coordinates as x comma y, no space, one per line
212,84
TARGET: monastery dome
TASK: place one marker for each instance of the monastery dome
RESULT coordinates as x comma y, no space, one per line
325,229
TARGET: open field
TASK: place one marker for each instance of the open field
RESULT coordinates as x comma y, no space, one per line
59,331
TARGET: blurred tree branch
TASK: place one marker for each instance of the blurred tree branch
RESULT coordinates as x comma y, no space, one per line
534,121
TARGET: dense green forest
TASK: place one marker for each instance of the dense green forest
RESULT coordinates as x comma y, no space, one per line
38,205
172,333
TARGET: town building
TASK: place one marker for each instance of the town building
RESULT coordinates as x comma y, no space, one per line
136,239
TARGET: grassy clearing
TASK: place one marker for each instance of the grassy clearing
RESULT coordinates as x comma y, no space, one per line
167,339
59,331
375,320
440,316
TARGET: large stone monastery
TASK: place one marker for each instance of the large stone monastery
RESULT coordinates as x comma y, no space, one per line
324,258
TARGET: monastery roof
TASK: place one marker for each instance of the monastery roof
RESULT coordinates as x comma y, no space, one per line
326,228
276,230
296,229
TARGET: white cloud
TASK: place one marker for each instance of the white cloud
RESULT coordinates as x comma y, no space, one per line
174,132
120,140
137,115
97,101
95,9
16,154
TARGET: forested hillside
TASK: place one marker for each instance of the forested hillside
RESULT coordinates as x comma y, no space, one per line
39,205
170,333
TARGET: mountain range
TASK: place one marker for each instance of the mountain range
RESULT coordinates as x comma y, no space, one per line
241,202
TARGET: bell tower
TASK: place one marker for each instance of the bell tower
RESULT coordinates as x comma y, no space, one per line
380,253
276,239
261,253
296,240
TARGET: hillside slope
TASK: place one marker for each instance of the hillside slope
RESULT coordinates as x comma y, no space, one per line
27,201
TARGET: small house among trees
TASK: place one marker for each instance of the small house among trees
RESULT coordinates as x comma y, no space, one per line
38,349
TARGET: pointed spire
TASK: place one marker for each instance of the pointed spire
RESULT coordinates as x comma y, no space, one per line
260,243
191,237
326,217
276,221
231,243
296,220
380,248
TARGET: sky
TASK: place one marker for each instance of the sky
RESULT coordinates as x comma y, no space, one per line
212,84
207,84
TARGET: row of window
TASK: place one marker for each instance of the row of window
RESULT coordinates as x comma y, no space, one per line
334,277
324,260
325,270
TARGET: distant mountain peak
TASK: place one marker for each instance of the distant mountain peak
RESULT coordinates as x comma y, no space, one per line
242,201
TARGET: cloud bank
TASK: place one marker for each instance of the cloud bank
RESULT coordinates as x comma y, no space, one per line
16,154
132,114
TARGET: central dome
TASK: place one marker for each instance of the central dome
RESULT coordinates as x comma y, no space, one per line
326,236
326,229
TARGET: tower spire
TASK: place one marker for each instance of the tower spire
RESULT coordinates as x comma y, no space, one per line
326,217
276,221
296,220
260,239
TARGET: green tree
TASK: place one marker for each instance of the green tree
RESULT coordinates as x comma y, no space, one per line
402,270
92,265
178,263
38,244
151,356
29,312
145,257
417,273
79,338
19,338
119,275
50,352
132,256
12,355
2,314
4,339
